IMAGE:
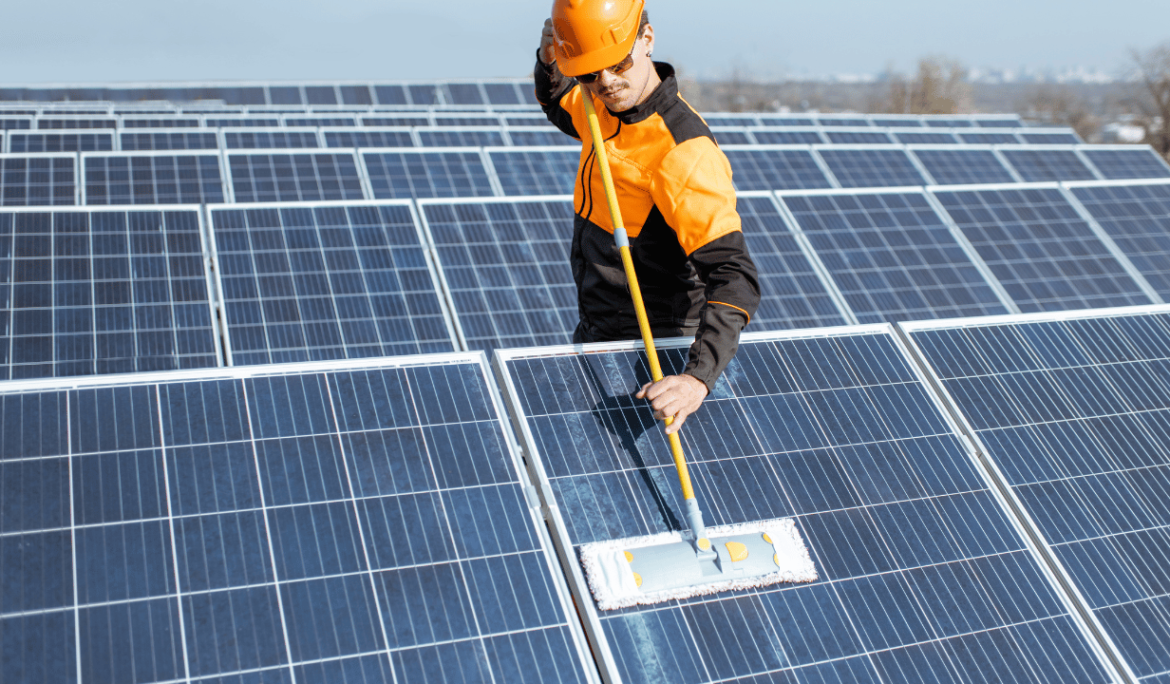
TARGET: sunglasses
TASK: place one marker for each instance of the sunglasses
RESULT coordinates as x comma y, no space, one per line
617,69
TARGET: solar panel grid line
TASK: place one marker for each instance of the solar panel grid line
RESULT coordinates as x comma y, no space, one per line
822,271
1080,152
493,177
789,135
998,152
1023,512
926,175
362,136
1114,249
613,669
961,164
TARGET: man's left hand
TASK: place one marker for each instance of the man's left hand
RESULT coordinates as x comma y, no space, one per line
675,396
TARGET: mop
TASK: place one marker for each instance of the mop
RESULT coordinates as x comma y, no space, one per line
677,565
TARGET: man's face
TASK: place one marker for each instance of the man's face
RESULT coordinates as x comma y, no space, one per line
622,91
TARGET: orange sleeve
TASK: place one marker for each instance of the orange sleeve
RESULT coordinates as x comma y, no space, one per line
692,188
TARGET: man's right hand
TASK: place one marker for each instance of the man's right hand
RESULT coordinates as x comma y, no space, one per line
547,36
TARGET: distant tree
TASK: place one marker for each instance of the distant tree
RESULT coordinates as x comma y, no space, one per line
1152,69
939,87
1058,105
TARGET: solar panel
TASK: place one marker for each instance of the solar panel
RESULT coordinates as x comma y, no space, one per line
924,576
871,167
521,119
241,122
792,294
159,122
294,176
989,138
1009,122
175,177
38,179
424,94
14,123
273,139
369,137
893,257
383,120
870,137
390,94
465,94
914,138
1073,414
502,94
893,122
104,291
168,140
355,94
732,136
465,120
1068,138
545,136
842,121
785,121
528,171
943,122
315,121
320,95
1136,216
353,521
285,95
326,281
60,142
962,166
1046,256
1118,163
398,174
56,122
461,137
788,136
736,120
505,264
771,168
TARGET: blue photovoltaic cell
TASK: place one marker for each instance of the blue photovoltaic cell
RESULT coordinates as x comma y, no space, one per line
270,140
765,136
48,123
926,138
390,94
465,94
320,95
395,120
333,282
775,169
467,120
163,122
295,121
871,168
963,166
544,137
536,172
439,137
791,294
989,138
372,137
424,94
732,136
103,292
170,140
98,141
507,268
1050,138
1139,162
924,577
14,123
502,94
34,181
857,137
1137,217
153,179
893,257
295,177
242,122
352,526
406,175
898,123
1040,249
1076,415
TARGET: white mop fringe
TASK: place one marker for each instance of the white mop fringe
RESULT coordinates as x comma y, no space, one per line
613,586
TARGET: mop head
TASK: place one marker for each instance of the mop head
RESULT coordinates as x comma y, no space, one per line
614,585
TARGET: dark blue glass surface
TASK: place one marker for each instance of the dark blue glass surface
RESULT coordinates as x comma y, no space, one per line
536,172
871,168
1137,218
1121,164
151,179
775,169
37,181
1048,165
403,175
294,177
963,167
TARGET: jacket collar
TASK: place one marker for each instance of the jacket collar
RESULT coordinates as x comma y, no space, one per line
665,92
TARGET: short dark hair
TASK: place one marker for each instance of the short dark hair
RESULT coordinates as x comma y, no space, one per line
643,23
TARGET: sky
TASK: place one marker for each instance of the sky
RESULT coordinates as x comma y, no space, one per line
82,41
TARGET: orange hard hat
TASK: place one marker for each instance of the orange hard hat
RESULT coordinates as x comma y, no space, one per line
594,34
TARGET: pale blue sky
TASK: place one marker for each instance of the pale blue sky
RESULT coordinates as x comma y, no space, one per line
86,41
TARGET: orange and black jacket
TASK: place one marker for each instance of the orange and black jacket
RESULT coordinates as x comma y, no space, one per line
678,205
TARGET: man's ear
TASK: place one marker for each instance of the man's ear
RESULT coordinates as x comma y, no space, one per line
648,34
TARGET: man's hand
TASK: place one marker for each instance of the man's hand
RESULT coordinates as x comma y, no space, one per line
547,54
676,396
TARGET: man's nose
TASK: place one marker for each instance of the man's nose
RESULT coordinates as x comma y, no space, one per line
606,79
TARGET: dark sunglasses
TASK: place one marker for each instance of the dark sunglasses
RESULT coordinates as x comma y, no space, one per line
617,69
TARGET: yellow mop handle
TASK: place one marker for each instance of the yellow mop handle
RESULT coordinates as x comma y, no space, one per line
623,242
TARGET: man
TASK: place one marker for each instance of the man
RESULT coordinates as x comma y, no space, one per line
675,192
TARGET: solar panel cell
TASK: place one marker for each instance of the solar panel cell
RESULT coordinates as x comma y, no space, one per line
775,169
36,181
871,167
294,177
1045,255
395,175
152,179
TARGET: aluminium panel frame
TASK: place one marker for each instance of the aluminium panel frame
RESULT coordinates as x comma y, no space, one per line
305,120
1068,590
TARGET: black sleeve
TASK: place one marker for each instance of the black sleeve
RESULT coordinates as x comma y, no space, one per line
551,86
733,293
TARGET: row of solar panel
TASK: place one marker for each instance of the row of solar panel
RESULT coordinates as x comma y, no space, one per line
118,290
475,136
9,120
372,521
189,177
